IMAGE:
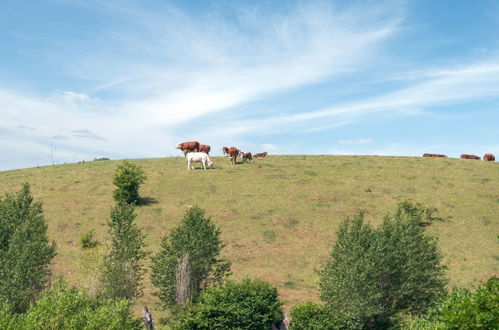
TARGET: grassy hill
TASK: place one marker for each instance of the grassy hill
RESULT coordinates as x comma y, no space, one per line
278,215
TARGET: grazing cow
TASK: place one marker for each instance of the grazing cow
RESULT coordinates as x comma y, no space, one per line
247,157
186,147
198,157
225,151
489,157
260,155
435,155
233,153
204,148
464,156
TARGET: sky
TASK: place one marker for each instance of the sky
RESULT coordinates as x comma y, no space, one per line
127,79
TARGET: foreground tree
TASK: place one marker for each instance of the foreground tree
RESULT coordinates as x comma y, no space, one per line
250,304
375,273
122,270
25,253
189,260
128,178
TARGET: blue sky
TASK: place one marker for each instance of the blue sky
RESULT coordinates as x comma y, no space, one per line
130,79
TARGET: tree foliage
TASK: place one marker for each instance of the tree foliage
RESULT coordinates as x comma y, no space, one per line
311,316
197,236
463,309
250,304
64,307
128,178
25,253
374,273
123,270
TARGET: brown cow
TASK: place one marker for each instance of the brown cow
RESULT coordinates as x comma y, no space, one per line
489,157
247,157
188,146
225,151
204,148
233,153
260,155
465,156
435,155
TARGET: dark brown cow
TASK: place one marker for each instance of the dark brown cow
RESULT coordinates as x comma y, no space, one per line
225,151
233,153
188,146
465,156
435,155
247,157
489,157
260,155
204,148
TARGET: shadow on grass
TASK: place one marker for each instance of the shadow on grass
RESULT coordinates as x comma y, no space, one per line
430,220
143,201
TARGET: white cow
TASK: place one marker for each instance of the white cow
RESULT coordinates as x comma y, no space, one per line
198,157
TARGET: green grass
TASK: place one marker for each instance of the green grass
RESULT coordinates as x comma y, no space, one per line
278,215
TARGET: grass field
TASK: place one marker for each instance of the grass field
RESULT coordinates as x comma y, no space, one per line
278,215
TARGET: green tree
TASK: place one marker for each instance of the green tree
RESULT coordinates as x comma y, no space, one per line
375,273
311,316
193,246
25,253
64,307
463,309
122,270
128,178
251,304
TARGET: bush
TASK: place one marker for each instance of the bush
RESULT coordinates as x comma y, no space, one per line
251,304
122,270
87,240
128,178
463,309
191,249
375,273
25,253
311,316
63,307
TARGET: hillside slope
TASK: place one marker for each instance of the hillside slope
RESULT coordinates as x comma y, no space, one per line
278,215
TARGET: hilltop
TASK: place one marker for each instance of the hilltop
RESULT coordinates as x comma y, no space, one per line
278,215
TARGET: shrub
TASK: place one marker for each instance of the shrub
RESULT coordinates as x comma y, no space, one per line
128,178
311,316
189,259
63,307
462,309
375,273
25,252
87,240
123,269
251,304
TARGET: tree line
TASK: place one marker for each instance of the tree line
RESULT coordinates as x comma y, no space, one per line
383,277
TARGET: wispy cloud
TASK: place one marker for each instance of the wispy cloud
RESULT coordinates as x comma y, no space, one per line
360,141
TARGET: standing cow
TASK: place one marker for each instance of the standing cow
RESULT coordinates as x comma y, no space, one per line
233,153
198,157
186,147
247,157
204,148
225,151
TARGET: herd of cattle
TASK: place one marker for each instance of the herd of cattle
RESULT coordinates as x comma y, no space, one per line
199,153
488,157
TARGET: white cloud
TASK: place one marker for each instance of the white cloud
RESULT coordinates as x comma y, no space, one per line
360,141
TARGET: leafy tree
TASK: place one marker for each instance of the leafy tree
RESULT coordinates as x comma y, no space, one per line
63,307
25,253
251,304
128,178
123,269
374,273
196,239
462,309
